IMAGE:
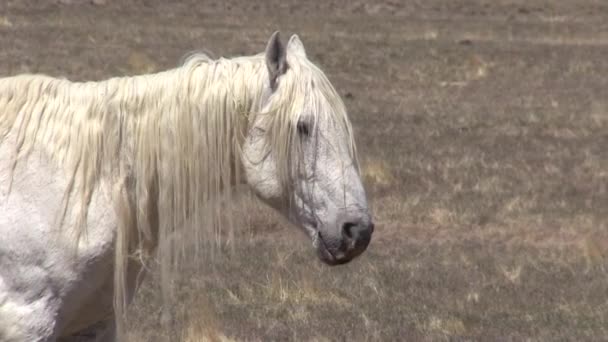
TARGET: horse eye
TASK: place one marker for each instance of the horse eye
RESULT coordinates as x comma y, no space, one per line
303,129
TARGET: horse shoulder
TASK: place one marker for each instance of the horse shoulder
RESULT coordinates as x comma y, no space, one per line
44,285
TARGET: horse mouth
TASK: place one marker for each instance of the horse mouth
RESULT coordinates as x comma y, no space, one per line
319,245
324,253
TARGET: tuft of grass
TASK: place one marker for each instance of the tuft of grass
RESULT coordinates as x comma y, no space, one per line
377,173
448,327
5,22
141,63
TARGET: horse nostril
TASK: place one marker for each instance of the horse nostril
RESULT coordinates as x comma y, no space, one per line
356,231
349,230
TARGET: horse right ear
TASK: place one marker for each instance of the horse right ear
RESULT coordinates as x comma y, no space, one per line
276,62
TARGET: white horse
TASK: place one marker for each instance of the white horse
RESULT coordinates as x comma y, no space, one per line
96,175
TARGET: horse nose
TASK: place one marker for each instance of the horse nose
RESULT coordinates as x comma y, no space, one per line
356,235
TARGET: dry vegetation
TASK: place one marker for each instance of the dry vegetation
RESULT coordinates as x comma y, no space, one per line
483,128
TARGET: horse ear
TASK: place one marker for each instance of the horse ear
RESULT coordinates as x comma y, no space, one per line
276,61
295,46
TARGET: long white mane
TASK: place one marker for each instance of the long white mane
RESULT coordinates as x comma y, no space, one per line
166,144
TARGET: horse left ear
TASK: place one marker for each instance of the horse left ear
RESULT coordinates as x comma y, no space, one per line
295,46
276,61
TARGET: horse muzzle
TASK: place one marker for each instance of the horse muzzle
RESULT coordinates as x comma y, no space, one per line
353,238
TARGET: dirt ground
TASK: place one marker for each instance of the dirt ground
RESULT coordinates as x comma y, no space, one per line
483,130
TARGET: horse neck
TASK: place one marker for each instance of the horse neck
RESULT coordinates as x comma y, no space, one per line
238,86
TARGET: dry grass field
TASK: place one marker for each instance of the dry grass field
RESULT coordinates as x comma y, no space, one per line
483,131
